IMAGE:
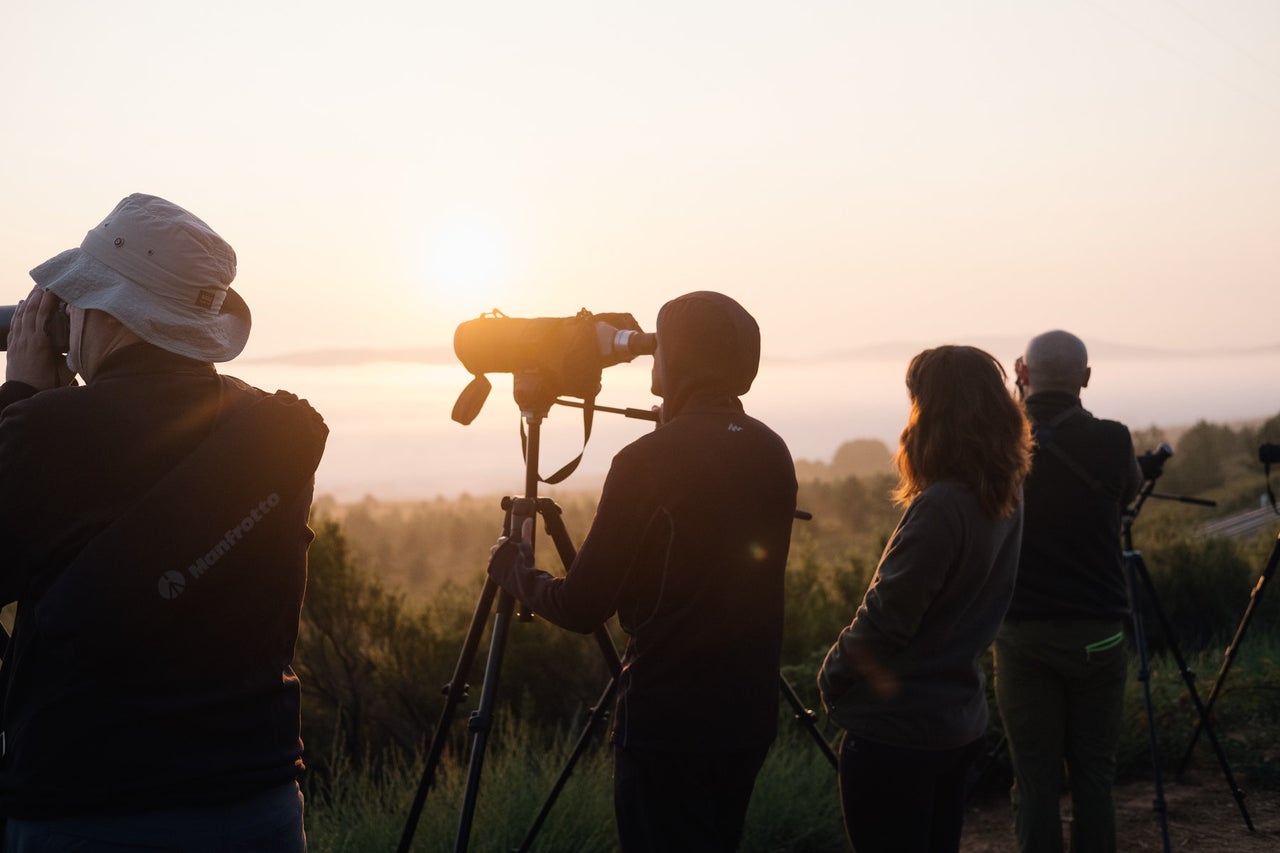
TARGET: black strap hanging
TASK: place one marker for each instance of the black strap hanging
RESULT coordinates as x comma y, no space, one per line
1044,440
588,412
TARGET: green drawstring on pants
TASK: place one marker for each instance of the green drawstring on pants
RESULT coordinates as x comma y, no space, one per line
1102,645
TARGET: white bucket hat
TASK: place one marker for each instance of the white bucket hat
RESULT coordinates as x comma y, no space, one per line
162,272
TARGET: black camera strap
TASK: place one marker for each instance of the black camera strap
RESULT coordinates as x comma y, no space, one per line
1044,440
588,415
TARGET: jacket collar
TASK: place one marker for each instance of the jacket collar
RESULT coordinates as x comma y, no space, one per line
1046,404
143,359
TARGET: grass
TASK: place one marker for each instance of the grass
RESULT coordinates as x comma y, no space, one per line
795,806
367,809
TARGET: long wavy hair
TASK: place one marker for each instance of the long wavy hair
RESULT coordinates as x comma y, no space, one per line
966,426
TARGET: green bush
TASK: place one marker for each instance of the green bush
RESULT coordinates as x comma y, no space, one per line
1200,586
373,668
1244,717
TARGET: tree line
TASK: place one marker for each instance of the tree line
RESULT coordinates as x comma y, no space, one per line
393,587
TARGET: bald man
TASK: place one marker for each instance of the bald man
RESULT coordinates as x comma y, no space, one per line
1060,657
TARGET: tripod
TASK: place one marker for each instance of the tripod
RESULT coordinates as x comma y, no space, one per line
1135,569
535,401
1229,656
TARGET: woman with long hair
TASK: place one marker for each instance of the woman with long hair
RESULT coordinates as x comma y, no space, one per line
904,680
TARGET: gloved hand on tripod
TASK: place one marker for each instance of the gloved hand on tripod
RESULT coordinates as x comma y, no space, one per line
509,552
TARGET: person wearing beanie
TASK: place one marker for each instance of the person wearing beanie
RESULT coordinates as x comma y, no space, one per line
688,547
154,522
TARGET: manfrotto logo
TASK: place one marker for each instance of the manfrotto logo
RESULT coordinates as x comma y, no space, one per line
734,428
173,582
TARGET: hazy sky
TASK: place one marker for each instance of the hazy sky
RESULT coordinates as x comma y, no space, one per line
853,172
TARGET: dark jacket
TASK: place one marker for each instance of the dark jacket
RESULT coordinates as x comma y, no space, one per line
688,547
906,672
1071,550
155,530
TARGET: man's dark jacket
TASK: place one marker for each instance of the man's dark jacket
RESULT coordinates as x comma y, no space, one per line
154,529
1070,566
688,547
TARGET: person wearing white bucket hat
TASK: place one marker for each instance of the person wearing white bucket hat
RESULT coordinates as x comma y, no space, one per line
154,530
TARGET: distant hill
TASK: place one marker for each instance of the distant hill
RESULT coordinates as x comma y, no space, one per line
863,457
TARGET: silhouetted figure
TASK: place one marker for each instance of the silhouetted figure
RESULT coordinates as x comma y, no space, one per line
688,547
903,679
1061,660
154,523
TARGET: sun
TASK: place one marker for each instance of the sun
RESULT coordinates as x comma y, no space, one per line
468,262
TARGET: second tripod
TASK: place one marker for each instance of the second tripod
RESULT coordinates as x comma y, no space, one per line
1139,581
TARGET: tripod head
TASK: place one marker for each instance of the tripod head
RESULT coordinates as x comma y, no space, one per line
535,393
1151,464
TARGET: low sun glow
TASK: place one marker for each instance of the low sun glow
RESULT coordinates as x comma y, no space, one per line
468,262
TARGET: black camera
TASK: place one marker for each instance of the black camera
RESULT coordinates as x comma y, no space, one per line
1269,454
567,353
58,328
1152,462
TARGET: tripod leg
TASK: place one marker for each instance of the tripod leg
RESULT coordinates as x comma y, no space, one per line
1229,656
455,692
598,712
482,718
1160,807
1189,679
807,718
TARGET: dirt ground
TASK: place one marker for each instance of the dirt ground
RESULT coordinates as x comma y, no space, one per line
1203,817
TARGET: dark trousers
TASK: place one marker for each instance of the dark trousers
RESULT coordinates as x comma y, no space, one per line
668,802
1060,688
271,822
903,800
